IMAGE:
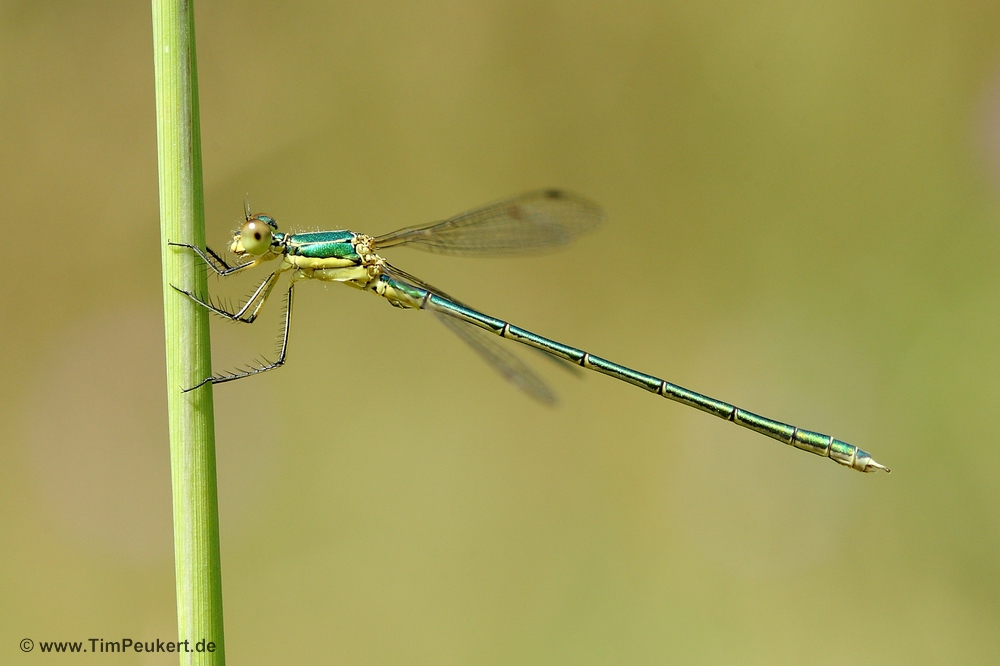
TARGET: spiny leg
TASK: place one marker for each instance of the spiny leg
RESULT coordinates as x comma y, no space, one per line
264,288
213,260
264,366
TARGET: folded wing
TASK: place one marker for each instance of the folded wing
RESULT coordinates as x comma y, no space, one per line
528,224
489,348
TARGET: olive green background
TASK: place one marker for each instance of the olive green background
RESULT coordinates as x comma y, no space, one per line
803,219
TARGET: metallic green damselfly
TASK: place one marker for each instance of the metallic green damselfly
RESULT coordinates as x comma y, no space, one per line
530,223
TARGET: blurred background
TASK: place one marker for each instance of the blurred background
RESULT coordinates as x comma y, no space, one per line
803,219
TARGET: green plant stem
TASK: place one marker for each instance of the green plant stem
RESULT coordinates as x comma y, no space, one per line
188,349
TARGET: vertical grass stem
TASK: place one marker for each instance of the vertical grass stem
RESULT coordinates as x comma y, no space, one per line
188,348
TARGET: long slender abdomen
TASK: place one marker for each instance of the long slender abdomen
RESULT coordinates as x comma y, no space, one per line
813,442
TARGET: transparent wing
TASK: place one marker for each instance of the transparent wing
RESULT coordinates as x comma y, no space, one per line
485,344
509,366
530,223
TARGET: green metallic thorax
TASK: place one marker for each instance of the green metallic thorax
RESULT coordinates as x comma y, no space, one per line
322,245
332,256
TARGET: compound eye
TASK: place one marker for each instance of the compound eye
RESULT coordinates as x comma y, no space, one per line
256,237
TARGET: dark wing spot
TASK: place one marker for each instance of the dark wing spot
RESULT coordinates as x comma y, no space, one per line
554,194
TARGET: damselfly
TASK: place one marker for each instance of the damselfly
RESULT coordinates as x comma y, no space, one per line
526,224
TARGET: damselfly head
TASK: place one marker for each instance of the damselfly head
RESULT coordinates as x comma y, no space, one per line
255,236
